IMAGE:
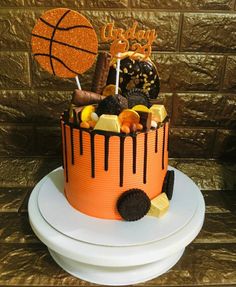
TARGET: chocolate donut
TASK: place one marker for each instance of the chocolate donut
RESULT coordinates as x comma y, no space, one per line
141,74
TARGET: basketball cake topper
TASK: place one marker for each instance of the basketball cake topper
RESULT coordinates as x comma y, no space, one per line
64,43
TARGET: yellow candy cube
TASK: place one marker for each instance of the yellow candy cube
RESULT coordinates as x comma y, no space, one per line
108,123
159,205
158,113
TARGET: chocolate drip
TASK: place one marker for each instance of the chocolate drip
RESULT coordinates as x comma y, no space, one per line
72,145
134,153
65,152
81,142
106,152
92,135
156,141
145,158
122,139
163,146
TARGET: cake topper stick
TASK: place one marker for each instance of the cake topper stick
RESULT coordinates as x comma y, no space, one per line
117,73
78,82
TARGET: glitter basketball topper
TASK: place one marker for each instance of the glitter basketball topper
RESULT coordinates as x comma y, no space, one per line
64,42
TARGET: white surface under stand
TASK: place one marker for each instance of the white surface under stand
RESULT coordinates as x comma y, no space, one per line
113,252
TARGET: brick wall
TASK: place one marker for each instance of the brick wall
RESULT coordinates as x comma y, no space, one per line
195,53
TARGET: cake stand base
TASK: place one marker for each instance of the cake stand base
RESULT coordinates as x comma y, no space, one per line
116,275
120,262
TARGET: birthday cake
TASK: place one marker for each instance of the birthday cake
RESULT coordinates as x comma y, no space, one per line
114,137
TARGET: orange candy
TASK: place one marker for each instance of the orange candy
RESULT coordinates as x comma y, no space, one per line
129,116
133,127
91,124
84,125
125,129
139,127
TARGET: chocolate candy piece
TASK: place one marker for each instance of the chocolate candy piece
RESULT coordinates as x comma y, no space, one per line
74,114
110,105
145,119
122,101
84,98
168,185
137,97
133,204
140,74
101,72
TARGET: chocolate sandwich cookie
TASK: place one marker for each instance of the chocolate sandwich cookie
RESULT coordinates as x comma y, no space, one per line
138,73
137,97
168,185
133,204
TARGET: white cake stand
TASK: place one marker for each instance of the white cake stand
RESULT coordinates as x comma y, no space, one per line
113,252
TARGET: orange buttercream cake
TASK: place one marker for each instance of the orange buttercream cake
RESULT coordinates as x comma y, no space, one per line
115,138
100,166
115,146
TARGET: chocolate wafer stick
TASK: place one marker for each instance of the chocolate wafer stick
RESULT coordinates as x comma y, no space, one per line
83,98
101,72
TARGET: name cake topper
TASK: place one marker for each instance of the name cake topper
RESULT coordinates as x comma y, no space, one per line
122,40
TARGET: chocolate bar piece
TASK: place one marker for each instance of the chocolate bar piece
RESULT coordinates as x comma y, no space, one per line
101,72
145,119
83,98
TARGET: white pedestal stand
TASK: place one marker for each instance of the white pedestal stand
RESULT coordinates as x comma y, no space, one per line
115,252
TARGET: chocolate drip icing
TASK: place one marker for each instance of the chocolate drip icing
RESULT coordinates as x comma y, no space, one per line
65,151
92,135
145,158
72,145
163,146
134,153
122,140
106,152
156,141
81,142
107,136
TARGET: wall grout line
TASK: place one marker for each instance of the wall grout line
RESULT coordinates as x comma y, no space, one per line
180,31
223,73
120,9
214,142
155,51
162,92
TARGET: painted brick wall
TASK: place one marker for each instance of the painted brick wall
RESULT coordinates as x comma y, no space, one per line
195,53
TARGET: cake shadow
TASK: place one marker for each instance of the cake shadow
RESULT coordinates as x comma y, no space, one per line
57,178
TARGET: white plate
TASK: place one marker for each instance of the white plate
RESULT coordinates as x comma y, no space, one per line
108,256
56,210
